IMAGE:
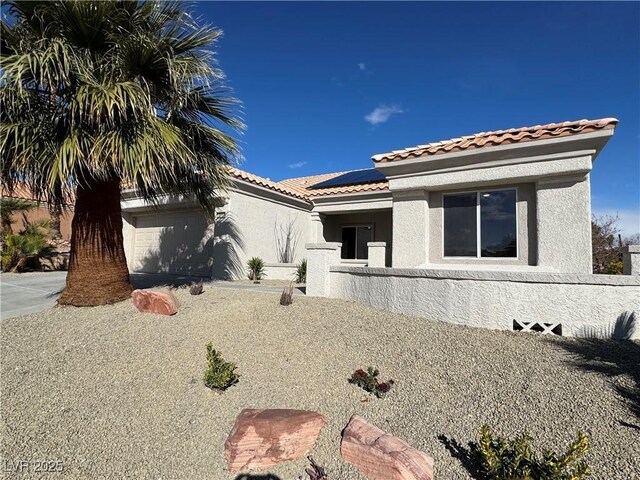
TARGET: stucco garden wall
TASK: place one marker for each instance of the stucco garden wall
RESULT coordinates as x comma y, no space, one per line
585,305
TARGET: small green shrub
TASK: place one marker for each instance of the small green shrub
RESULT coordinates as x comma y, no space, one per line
256,269
505,459
220,375
26,250
615,268
301,272
368,381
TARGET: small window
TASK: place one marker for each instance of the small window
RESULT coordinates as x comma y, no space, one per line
354,242
480,224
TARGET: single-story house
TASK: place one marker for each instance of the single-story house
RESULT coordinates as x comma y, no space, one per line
491,230
515,199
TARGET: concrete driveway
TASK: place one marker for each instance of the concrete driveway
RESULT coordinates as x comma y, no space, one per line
22,293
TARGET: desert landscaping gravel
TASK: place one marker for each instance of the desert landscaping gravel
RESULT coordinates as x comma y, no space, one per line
113,393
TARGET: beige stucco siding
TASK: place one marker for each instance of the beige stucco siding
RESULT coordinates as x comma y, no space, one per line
526,214
249,226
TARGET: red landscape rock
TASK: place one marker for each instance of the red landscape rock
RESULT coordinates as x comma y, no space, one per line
381,456
164,303
262,438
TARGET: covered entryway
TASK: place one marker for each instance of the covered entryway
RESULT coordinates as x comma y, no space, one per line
178,242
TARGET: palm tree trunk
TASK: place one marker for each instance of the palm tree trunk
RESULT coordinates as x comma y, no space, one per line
55,212
98,272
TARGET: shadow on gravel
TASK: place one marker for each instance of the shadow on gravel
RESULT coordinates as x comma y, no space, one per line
247,476
611,358
467,455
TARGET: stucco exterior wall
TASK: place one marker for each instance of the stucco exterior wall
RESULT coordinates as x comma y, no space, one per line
564,224
526,214
382,227
410,228
585,305
251,225
41,212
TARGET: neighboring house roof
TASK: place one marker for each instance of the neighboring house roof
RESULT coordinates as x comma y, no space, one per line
303,184
22,191
498,137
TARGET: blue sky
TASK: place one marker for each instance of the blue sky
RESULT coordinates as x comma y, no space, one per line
326,85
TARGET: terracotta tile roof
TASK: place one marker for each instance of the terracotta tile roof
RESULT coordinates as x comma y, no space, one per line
302,184
498,137
264,182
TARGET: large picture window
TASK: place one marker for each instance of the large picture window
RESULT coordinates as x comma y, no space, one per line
354,242
481,224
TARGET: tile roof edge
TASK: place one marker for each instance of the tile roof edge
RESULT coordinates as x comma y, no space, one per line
254,179
599,124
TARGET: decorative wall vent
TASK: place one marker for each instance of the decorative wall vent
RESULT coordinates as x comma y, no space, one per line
544,328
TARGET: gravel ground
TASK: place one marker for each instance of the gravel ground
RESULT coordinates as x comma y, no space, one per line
112,393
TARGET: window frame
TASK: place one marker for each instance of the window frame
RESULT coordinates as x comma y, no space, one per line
356,225
478,255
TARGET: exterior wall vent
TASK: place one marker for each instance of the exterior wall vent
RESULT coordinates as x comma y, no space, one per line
544,328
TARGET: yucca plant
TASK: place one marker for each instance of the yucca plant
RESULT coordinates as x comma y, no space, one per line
301,272
98,96
506,459
256,269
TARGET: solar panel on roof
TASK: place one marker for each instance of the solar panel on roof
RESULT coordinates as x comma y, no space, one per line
358,177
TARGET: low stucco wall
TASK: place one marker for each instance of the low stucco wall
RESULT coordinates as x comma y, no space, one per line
280,271
585,305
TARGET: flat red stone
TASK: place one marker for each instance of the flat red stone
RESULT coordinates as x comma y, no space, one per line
263,438
163,303
381,456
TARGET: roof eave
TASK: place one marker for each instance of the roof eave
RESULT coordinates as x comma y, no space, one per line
577,142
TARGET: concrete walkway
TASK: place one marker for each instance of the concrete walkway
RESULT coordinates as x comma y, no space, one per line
24,293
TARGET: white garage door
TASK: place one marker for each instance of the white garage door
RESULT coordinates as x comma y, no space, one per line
175,242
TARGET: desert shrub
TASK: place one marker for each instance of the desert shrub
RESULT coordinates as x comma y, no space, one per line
614,268
220,375
26,249
196,288
301,272
315,471
256,269
505,459
286,298
11,206
368,381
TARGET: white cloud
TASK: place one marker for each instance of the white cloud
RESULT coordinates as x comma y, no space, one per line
362,66
628,220
297,165
382,113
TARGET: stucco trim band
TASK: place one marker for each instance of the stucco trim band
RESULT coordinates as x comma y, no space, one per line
492,276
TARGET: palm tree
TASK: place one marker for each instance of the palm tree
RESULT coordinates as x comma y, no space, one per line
9,207
97,96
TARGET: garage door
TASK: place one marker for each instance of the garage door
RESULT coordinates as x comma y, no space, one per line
176,242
